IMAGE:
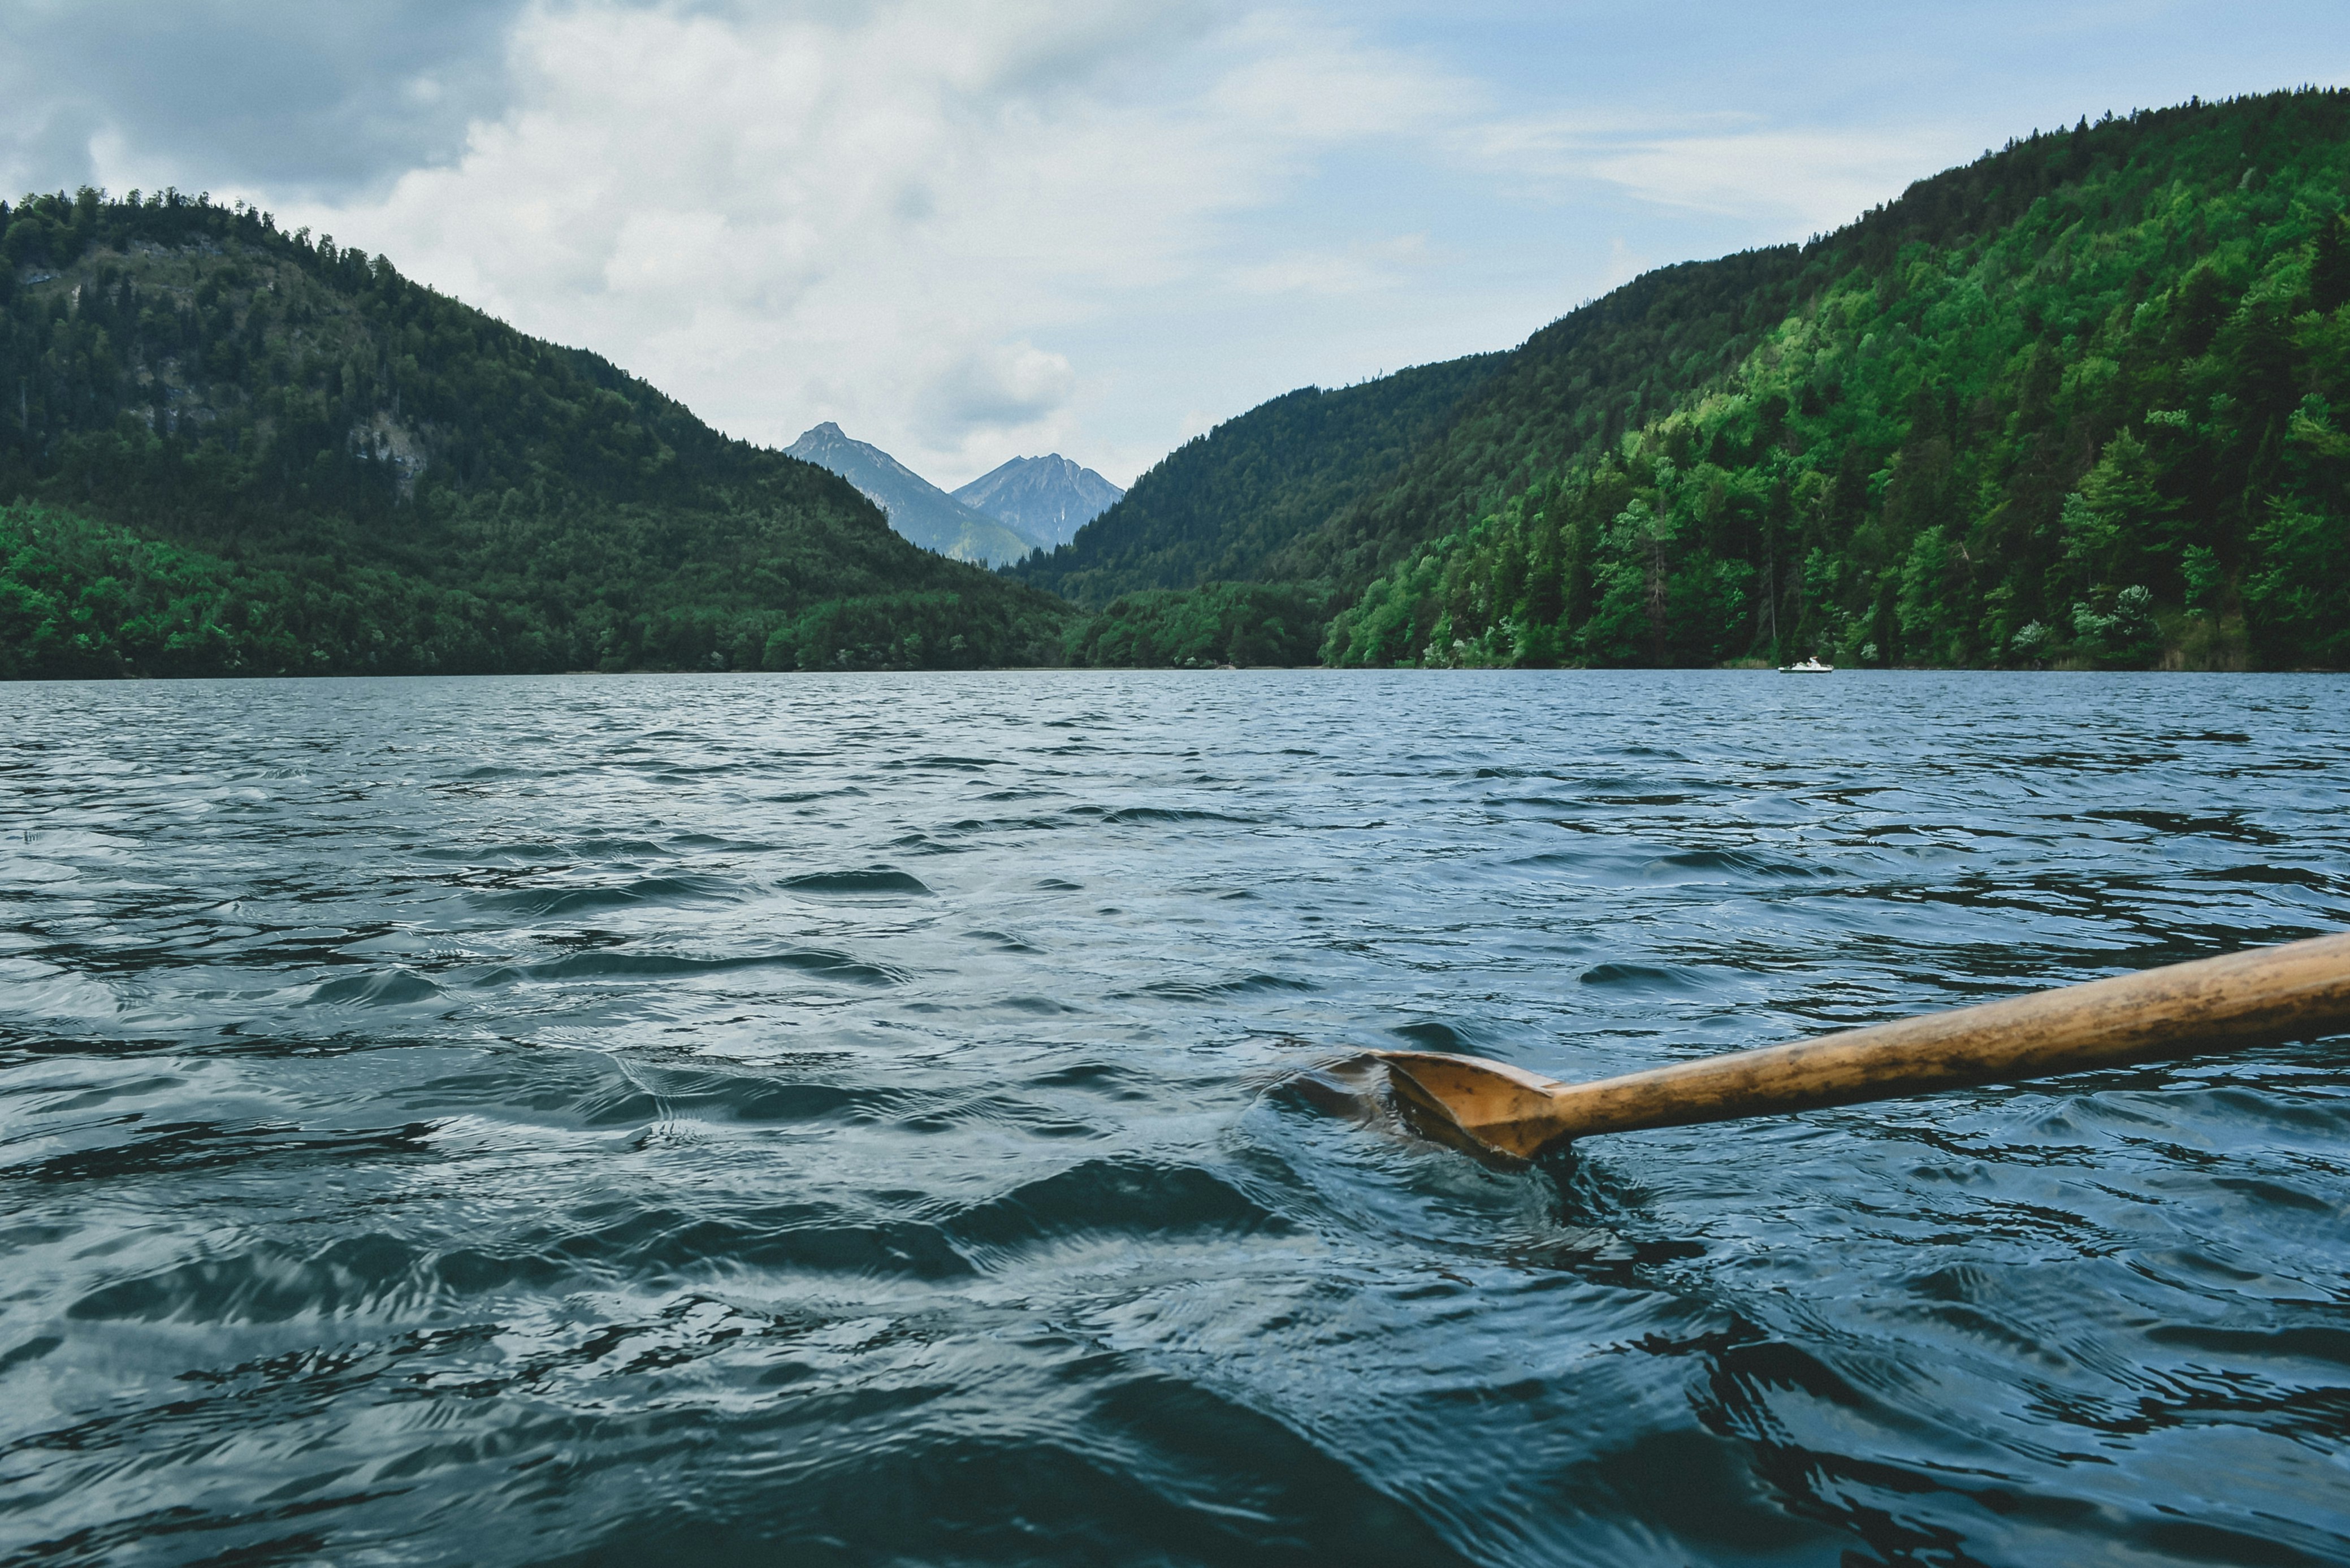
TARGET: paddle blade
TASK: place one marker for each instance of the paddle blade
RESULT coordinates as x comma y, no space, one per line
1490,1106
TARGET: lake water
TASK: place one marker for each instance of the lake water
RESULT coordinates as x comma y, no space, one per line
838,1120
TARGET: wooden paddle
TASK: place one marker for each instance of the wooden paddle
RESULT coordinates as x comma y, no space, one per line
2299,990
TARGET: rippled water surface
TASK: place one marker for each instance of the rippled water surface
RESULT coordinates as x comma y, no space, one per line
825,1120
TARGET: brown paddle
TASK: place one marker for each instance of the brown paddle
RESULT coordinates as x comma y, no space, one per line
2299,990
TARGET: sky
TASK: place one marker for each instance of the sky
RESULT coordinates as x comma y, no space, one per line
967,230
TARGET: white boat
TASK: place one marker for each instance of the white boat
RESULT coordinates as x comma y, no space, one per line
1812,665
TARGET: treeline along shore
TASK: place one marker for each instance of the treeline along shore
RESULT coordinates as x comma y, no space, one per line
2082,403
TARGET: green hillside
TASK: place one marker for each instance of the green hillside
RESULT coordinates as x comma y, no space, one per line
2077,402
2081,402
234,449
1579,382
1225,504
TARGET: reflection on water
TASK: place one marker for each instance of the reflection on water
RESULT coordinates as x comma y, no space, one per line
838,1120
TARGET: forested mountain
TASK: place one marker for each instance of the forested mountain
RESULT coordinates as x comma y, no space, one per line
1224,504
2081,402
232,449
1580,381
1045,500
917,509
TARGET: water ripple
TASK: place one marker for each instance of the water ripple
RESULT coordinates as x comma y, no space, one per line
846,1120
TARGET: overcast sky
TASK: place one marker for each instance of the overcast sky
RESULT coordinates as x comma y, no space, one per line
968,231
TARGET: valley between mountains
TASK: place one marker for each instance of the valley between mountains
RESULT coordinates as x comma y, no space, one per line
1026,503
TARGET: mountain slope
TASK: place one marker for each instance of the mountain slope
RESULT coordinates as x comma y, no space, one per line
2083,401
260,454
917,509
1579,382
1225,504
1045,500
1977,450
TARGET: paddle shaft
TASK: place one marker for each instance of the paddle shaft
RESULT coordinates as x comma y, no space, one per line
2299,990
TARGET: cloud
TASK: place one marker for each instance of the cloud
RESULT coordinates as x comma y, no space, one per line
1793,181
1310,82
1818,180
295,96
47,144
879,214
1005,387
1366,268
959,230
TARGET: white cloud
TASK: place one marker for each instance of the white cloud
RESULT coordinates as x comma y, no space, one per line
879,215
1729,165
1304,80
905,215
1005,387
1624,263
1364,268
1818,180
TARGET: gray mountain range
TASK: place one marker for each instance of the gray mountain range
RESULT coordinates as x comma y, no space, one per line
1045,500
916,508
1026,503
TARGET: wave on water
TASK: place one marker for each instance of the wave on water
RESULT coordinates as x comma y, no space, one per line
459,1121
879,879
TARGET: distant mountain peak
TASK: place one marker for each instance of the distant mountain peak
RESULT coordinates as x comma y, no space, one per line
917,509
1045,499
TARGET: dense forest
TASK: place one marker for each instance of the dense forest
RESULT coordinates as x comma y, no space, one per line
1206,628
236,450
2081,402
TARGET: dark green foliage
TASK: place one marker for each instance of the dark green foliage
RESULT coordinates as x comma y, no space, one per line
1223,505
84,597
937,629
79,597
2076,403
1575,386
1216,624
373,477
2329,268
